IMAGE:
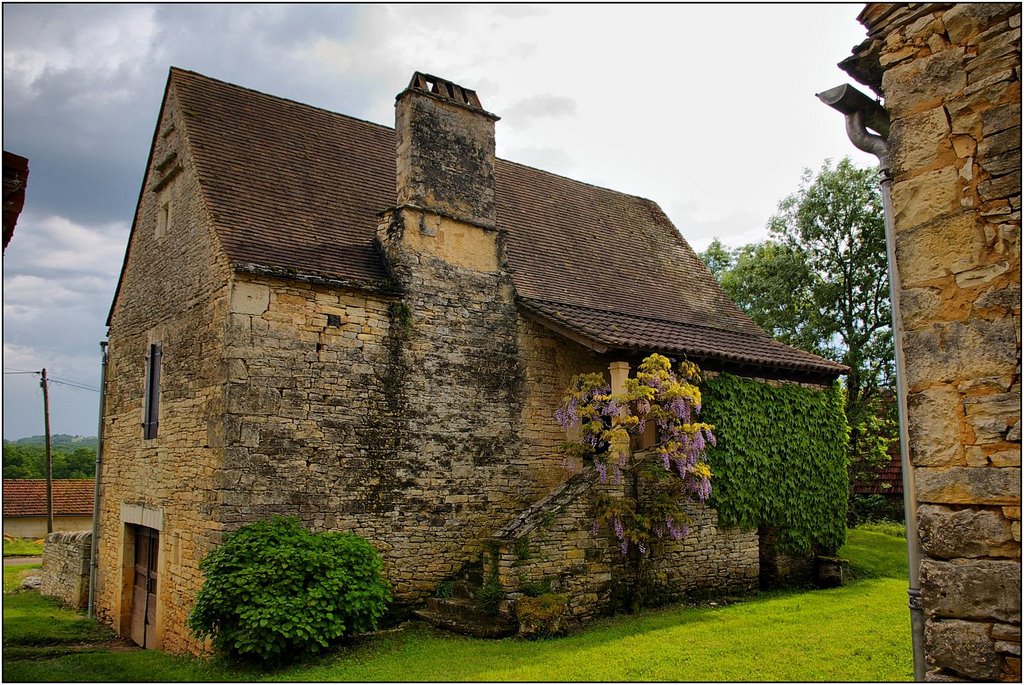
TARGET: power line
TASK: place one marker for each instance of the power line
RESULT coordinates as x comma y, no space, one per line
56,380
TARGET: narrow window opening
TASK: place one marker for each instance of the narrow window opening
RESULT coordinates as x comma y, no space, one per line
151,421
163,219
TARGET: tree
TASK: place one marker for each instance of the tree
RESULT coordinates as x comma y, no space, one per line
645,507
821,284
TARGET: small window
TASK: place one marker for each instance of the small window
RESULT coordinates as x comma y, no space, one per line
152,417
163,218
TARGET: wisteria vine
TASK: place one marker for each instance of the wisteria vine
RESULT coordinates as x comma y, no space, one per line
658,479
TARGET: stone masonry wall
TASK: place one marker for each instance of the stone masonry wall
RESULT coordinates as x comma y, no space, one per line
175,291
66,567
951,82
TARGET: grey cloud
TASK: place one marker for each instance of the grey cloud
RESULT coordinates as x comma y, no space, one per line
539,107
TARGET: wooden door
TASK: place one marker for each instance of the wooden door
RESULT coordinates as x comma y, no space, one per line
144,587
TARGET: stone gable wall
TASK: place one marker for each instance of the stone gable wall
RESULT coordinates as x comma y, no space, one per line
175,291
951,82
65,572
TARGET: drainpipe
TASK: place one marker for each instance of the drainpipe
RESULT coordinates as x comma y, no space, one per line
862,112
96,487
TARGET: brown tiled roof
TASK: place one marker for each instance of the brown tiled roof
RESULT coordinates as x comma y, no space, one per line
296,189
71,497
888,480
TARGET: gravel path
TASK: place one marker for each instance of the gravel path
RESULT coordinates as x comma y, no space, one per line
22,561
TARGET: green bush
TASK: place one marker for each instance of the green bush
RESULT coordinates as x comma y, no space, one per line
274,591
541,616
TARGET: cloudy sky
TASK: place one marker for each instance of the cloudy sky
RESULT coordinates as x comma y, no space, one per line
707,109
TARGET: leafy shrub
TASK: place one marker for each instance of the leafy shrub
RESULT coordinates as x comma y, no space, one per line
541,616
490,595
444,590
534,589
273,591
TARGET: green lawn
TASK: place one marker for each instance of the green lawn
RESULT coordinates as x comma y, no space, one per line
23,547
859,632
13,575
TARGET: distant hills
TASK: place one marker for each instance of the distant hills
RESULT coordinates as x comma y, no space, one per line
59,440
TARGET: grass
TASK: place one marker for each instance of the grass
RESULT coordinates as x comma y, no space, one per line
859,632
13,575
22,547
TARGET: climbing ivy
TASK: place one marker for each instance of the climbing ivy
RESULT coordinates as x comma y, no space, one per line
780,460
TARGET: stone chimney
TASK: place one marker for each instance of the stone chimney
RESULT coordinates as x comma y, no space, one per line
445,179
445,159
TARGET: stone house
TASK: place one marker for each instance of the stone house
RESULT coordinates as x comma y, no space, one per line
371,328
950,78
25,506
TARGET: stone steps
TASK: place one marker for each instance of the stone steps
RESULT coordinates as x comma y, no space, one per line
461,615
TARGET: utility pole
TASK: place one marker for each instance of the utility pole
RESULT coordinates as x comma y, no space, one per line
49,460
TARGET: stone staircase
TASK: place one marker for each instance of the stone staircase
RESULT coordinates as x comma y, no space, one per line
461,613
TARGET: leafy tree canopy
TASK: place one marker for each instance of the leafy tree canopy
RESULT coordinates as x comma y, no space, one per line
29,461
820,283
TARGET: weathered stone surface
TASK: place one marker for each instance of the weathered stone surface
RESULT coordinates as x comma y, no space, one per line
1005,458
918,139
931,250
946,533
1001,186
978,589
965,20
1006,632
1008,647
925,81
981,275
962,646
1000,119
926,197
919,306
968,485
65,572
1006,299
947,352
991,416
934,427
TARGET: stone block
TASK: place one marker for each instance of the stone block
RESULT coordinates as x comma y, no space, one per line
250,298
925,198
962,649
965,20
981,275
1006,632
933,250
1001,187
948,352
962,646
978,589
923,82
934,427
991,416
947,533
999,119
918,139
968,485
919,306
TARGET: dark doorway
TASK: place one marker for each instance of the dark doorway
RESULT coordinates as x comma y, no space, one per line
144,587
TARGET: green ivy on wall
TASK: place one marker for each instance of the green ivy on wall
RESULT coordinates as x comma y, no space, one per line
780,460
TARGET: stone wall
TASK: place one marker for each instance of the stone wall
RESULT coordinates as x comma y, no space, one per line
65,572
552,545
175,291
951,83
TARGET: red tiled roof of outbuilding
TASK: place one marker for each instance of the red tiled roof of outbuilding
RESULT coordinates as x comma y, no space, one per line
27,497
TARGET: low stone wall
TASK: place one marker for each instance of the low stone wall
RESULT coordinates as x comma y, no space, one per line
66,567
552,546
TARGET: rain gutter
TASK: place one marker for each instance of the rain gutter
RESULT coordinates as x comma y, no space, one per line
861,113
